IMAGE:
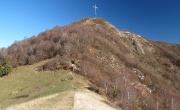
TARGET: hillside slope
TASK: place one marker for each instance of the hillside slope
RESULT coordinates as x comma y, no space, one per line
133,72
27,89
68,100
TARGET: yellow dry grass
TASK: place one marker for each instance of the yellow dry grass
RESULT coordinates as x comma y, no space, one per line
25,84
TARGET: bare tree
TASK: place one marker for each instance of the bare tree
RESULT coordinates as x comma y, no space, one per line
157,108
106,87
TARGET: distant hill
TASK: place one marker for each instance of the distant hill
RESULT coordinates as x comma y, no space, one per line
132,71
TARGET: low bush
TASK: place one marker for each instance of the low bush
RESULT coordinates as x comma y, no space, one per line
5,67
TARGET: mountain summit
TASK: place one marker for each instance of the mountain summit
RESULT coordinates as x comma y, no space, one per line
132,71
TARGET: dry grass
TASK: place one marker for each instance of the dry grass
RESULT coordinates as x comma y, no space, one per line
107,57
25,84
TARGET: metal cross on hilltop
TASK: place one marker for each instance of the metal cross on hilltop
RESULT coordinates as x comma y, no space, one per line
95,7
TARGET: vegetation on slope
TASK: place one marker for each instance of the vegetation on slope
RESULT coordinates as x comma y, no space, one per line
133,72
5,64
25,83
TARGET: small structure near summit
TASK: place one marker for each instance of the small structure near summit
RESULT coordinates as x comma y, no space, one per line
95,7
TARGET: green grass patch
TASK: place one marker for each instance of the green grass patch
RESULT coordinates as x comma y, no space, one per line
26,83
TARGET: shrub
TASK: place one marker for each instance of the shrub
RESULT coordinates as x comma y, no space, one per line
5,67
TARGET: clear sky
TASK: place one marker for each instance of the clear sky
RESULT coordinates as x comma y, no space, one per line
157,20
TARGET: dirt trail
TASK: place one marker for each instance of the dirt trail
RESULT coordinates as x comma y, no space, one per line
62,101
69,100
90,101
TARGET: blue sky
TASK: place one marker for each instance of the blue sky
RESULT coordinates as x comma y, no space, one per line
157,20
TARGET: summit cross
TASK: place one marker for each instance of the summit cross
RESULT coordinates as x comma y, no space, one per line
95,7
